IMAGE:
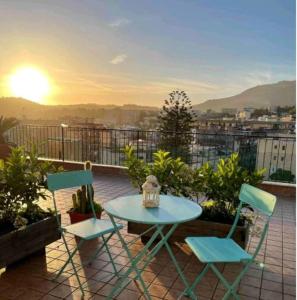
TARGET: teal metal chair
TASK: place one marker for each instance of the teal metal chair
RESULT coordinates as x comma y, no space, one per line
212,250
86,230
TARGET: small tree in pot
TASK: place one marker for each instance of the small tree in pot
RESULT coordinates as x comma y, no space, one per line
81,200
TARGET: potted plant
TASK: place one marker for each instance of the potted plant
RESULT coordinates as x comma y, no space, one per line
216,188
82,209
5,125
25,227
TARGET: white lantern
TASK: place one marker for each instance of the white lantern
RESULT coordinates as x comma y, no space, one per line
151,192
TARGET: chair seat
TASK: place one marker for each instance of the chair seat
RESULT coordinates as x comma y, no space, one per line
91,228
213,249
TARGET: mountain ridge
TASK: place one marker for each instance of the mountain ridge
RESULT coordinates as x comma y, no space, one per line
282,93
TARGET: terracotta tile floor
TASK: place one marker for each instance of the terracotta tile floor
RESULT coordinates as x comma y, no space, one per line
31,279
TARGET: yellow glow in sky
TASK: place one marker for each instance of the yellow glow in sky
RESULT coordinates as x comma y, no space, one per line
29,83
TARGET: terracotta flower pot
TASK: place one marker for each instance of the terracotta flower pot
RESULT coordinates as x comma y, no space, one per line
76,217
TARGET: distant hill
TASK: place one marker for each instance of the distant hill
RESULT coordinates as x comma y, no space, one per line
23,109
282,93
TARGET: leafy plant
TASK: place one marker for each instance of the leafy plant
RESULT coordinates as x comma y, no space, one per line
169,171
137,169
282,175
220,185
22,185
6,124
224,182
82,198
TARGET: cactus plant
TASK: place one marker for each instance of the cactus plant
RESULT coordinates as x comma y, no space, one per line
84,197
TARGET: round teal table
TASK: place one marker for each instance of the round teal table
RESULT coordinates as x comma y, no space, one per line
171,212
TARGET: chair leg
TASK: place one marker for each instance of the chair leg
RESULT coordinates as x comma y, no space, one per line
71,261
237,280
230,288
179,271
69,258
109,255
98,250
190,291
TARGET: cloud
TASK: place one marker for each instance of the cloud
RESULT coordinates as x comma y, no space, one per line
258,78
119,23
118,59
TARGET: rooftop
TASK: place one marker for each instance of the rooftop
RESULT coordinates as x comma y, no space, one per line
276,279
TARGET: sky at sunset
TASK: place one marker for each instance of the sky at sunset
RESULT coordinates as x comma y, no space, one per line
119,52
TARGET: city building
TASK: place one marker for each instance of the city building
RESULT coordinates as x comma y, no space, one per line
276,153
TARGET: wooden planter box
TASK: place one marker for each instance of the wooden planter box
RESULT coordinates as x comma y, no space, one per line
18,244
196,228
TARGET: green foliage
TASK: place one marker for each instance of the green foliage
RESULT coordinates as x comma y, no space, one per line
170,172
220,184
82,200
282,175
6,124
260,112
22,184
137,169
175,122
286,110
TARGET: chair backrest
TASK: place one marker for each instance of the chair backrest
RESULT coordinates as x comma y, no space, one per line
64,180
257,199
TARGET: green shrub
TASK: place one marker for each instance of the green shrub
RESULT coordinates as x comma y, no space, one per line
22,184
282,175
170,172
220,185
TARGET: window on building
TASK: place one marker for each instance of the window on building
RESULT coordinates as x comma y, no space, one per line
274,157
284,147
275,146
282,158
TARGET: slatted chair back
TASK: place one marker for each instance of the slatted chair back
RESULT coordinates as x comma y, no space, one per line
258,200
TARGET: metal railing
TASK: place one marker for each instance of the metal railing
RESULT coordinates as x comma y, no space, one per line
105,146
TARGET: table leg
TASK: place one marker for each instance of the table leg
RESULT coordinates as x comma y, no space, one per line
179,271
145,251
164,241
134,261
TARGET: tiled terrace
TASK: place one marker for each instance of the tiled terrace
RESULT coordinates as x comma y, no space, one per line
31,279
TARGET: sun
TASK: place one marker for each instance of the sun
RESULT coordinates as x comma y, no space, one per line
29,83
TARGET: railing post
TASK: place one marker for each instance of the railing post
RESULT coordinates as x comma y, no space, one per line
63,156
137,148
63,140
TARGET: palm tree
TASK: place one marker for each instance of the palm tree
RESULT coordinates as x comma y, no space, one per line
6,124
